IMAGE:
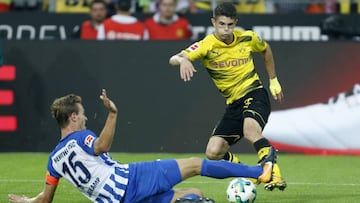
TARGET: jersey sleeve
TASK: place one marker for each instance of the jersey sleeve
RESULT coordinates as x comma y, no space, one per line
196,51
51,177
87,140
258,44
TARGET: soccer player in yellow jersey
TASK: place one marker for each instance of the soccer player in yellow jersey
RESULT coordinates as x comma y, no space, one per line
226,54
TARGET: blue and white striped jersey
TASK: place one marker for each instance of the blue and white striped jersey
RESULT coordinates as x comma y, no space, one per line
99,178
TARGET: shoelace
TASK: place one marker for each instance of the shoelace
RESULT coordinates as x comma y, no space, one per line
343,96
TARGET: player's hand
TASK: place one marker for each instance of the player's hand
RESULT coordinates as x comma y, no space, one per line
107,102
276,90
18,198
187,70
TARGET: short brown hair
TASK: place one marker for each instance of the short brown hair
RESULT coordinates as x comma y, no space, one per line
226,9
63,107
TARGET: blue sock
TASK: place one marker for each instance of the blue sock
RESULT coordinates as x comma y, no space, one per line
225,169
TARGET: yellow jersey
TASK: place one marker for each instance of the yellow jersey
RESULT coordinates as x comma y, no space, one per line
230,66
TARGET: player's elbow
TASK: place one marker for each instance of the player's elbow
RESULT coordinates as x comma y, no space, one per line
101,147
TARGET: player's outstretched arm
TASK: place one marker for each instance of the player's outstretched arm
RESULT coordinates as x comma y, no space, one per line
275,87
103,143
45,196
187,69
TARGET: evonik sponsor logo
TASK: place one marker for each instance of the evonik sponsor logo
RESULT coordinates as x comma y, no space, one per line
230,63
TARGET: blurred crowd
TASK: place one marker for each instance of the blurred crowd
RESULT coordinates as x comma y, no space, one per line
189,6
165,19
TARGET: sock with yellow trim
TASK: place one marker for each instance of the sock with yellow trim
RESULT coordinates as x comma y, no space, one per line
262,147
231,157
276,170
262,153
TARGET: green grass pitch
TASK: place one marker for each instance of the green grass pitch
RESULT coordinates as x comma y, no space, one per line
310,178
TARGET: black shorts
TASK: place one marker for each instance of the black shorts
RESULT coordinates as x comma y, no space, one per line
255,104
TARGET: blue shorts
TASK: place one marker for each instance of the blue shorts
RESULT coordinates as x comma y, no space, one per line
152,181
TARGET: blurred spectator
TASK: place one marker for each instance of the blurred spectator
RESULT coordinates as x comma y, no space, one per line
5,5
98,12
290,7
337,28
110,4
182,6
25,5
203,6
166,24
122,26
329,6
251,6
315,8
348,6
67,6
321,7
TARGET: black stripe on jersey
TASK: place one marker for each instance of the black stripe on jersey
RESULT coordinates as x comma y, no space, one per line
247,76
244,39
227,93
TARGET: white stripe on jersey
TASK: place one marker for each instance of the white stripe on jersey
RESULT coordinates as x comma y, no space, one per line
115,186
99,178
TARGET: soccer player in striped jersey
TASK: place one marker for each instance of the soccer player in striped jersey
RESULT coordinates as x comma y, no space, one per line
82,159
226,54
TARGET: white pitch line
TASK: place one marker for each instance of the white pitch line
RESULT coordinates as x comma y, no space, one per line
195,182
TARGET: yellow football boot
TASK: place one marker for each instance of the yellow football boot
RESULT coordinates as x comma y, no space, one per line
267,163
277,181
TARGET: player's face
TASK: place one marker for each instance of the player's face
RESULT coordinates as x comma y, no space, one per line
167,8
98,12
224,27
81,118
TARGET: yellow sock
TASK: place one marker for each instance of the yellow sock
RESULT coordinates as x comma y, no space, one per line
276,171
263,152
234,158
231,157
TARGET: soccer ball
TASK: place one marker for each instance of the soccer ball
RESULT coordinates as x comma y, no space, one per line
241,190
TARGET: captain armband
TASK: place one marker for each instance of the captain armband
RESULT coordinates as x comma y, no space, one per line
50,180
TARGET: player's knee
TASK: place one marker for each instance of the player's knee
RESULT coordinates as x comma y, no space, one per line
213,154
